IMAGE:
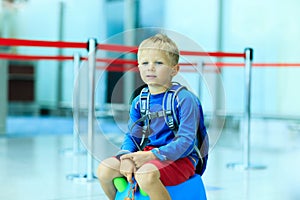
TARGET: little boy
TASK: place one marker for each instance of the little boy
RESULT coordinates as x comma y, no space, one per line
166,159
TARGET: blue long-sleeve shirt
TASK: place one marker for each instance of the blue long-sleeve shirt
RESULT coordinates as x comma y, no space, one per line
169,146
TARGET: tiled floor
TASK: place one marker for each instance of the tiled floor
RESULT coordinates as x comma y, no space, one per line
36,167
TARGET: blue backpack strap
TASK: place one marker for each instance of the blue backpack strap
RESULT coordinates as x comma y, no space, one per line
144,101
146,115
169,106
144,110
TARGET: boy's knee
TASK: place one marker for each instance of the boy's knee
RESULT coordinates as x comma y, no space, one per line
147,175
107,168
101,170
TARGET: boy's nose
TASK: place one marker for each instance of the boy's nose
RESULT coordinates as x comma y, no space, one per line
151,67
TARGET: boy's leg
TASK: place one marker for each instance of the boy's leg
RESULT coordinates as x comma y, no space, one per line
108,170
155,175
148,178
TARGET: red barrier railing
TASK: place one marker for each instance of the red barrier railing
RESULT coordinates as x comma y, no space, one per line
212,54
107,47
120,61
7,56
40,43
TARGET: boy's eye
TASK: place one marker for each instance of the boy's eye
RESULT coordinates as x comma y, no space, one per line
145,63
159,63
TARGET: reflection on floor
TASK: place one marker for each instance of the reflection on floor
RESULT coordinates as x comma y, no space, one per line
35,167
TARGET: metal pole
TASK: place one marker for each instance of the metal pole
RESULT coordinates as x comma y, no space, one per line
92,48
60,52
130,22
247,114
3,94
219,97
201,71
75,174
76,112
246,165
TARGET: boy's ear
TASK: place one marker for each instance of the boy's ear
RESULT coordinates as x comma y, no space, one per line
175,70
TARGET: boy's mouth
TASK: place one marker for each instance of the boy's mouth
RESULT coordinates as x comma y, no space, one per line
151,76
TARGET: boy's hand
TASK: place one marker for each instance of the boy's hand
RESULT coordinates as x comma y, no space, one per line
139,158
127,168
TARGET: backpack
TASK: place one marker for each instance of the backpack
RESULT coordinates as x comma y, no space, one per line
171,120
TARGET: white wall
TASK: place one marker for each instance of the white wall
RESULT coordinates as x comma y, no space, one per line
197,20
270,27
39,20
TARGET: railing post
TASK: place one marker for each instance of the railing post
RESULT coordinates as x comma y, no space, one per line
76,142
247,117
247,114
92,49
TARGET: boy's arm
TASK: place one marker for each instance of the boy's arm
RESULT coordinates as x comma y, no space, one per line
128,145
185,139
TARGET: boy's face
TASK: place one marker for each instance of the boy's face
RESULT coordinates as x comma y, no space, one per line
155,68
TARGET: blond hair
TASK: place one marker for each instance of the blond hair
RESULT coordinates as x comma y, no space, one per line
162,43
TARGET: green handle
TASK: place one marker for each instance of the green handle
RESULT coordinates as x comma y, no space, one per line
143,193
120,184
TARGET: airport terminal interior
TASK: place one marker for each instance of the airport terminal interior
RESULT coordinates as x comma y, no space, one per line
58,120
